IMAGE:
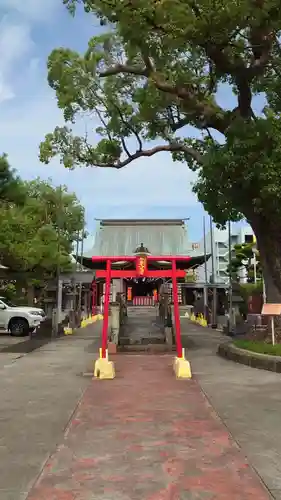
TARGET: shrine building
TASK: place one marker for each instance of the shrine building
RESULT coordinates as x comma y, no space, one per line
127,238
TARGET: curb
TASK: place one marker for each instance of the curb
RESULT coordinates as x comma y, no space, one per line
248,358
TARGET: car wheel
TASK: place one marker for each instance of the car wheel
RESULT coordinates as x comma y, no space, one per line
19,327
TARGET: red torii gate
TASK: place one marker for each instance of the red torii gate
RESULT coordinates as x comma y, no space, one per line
141,270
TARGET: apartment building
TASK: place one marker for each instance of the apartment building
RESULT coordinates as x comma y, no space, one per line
239,235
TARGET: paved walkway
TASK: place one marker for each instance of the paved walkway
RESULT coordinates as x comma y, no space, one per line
147,436
39,392
248,402
179,448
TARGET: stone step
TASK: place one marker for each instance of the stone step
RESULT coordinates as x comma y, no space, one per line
147,348
136,310
141,340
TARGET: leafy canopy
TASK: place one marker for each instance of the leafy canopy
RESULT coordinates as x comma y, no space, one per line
11,187
158,69
38,224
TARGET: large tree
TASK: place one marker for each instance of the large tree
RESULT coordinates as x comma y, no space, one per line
38,224
158,68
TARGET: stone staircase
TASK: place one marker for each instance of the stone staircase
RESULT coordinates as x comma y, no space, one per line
142,331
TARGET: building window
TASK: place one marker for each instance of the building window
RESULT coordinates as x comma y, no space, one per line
249,238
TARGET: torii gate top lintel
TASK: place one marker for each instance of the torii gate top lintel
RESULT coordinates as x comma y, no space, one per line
130,258
141,267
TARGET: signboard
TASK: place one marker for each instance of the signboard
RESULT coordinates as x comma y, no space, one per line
141,264
271,310
195,246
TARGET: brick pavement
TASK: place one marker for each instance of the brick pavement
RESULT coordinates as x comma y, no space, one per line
147,436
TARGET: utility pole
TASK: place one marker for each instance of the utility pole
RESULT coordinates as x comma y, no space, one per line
76,269
214,302
56,316
230,277
205,291
81,259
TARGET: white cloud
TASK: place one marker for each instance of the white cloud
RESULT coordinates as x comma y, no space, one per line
15,44
157,181
6,92
18,18
34,10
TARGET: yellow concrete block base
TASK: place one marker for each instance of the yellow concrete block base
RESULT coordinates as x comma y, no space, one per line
90,320
104,369
182,368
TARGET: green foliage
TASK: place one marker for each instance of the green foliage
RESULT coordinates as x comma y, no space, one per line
11,188
259,347
156,77
190,276
243,258
248,289
37,228
158,70
7,289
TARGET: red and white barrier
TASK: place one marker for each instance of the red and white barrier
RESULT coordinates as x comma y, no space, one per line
143,301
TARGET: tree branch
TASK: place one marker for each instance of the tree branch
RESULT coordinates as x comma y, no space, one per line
128,126
125,123
123,68
262,38
210,115
147,153
103,123
125,147
210,136
226,61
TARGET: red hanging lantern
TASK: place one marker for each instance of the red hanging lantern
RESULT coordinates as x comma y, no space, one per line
141,266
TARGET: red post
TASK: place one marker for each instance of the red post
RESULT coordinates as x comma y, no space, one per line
106,309
176,310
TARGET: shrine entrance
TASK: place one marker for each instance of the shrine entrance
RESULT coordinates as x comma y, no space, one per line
142,287
142,291
139,267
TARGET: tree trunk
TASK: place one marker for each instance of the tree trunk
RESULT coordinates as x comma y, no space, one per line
267,229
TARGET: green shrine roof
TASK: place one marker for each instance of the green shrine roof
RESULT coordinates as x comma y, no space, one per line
122,237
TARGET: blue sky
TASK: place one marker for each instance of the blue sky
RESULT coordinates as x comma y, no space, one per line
156,187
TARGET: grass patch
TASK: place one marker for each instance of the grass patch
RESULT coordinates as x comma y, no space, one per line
259,347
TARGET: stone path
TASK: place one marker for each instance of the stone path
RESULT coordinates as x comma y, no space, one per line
179,449
142,327
39,392
248,402
147,436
